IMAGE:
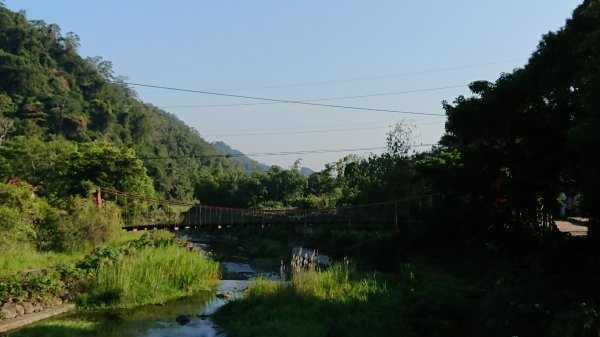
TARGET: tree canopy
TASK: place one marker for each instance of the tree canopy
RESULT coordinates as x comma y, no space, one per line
534,131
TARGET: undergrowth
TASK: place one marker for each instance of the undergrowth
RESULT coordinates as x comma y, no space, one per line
339,302
134,269
27,258
147,272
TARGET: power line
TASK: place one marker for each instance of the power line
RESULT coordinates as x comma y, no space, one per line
319,99
367,78
310,127
306,131
279,100
282,153
294,132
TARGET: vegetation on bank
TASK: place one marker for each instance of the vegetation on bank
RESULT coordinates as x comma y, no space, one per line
62,328
148,268
466,289
149,271
68,125
339,302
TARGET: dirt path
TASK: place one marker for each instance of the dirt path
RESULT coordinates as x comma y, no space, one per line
573,226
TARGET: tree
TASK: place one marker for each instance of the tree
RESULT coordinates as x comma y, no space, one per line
534,131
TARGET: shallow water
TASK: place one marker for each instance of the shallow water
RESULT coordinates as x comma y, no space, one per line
160,320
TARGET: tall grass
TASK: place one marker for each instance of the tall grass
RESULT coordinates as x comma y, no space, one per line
27,258
338,302
150,275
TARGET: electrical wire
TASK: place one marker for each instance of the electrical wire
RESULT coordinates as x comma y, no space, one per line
318,99
294,132
279,100
282,153
368,78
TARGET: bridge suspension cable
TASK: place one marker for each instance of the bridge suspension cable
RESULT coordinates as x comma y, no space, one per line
143,212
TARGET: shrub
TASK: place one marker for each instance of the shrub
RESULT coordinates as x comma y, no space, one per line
53,232
12,229
26,219
24,286
95,224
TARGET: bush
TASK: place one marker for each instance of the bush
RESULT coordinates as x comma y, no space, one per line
53,232
26,219
93,224
12,229
27,286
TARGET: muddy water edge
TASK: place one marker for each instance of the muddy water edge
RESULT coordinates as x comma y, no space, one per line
189,316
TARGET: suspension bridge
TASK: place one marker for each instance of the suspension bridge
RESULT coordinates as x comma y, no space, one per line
145,213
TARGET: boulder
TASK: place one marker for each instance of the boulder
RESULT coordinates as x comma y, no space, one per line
28,307
20,310
224,295
38,307
8,311
183,319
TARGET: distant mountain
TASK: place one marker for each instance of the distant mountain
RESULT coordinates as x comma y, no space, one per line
305,171
246,163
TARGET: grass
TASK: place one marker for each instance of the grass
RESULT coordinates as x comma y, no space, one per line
128,272
61,328
124,238
28,258
150,275
336,302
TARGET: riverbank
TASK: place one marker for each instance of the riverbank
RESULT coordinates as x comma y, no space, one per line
543,287
187,316
339,301
146,268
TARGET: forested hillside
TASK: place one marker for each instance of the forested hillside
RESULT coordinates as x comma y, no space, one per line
59,100
242,161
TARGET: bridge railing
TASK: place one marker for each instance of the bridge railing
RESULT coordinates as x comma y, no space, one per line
144,212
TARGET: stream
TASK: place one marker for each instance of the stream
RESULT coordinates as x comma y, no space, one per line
189,316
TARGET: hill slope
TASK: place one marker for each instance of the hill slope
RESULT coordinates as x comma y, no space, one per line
246,163
48,91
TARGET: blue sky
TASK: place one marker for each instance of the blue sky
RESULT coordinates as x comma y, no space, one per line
306,50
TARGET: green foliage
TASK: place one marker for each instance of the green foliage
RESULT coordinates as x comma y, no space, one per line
62,168
95,224
29,286
48,92
100,257
240,160
28,221
61,328
536,127
350,180
149,275
276,188
30,259
285,186
337,302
